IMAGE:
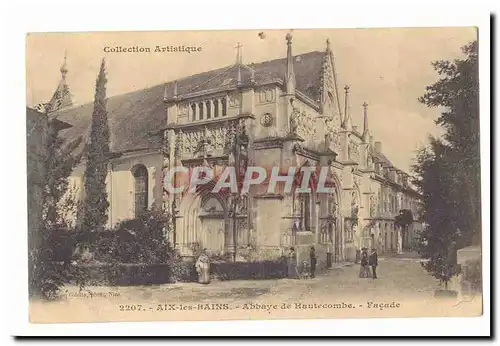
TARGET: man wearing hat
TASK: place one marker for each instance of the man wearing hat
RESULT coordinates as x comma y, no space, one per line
373,260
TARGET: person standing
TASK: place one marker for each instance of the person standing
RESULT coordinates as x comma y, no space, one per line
292,264
203,268
364,270
312,257
374,262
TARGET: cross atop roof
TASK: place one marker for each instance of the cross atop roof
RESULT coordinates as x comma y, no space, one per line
239,54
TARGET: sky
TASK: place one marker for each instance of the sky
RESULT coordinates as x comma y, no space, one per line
387,68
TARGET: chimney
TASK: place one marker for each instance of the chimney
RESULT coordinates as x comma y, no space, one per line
378,146
175,89
165,92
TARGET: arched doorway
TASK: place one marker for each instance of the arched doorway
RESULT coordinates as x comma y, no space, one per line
213,224
204,223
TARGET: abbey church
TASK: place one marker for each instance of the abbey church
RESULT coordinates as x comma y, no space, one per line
285,112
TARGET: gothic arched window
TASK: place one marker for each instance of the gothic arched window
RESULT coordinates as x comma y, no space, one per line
216,108
224,106
200,106
140,174
209,109
193,111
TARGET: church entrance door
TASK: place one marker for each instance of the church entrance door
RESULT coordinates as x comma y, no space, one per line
213,225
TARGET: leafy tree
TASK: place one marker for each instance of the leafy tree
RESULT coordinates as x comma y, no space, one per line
58,161
448,170
95,206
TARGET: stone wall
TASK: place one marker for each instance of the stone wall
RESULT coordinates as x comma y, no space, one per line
470,279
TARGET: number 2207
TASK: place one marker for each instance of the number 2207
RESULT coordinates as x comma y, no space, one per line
130,307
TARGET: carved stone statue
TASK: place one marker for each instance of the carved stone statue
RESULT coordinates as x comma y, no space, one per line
294,121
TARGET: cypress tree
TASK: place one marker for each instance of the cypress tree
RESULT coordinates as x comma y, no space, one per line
95,207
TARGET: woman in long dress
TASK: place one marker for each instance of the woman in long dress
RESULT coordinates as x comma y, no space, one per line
364,271
292,264
203,268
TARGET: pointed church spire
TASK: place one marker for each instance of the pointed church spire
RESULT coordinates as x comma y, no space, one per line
238,80
347,116
64,68
238,62
290,74
61,97
366,132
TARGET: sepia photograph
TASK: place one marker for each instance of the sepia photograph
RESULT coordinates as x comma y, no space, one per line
253,174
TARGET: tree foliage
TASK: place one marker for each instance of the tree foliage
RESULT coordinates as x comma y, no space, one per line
58,161
448,170
95,206
139,240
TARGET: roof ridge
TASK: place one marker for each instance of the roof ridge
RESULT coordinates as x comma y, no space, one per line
218,72
209,79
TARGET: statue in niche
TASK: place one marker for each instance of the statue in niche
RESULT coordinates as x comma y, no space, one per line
294,121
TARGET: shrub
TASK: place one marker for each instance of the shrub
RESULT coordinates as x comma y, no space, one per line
52,261
258,270
140,240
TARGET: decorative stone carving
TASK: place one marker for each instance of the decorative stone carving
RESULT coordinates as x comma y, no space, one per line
178,149
306,128
294,121
242,205
373,206
230,136
326,84
190,141
217,137
183,109
266,120
353,152
234,100
354,206
203,142
332,204
301,123
266,95
356,182
332,137
242,224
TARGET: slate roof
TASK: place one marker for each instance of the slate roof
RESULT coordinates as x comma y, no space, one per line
135,116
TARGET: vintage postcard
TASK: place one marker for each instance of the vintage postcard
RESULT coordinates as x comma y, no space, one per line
253,174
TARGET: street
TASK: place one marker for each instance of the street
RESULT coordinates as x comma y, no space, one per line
402,289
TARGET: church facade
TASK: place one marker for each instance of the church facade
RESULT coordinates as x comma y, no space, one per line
281,113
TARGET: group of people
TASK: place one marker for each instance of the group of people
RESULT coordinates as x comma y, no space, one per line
367,261
309,267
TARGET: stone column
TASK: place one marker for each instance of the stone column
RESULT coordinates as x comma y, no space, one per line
400,240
